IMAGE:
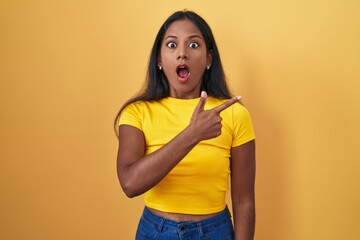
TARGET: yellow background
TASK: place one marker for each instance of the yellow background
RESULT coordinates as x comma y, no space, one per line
67,66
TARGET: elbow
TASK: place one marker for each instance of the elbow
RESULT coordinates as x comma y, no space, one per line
130,189
130,184
129,193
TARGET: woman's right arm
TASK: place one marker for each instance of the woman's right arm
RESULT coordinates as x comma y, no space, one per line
138,172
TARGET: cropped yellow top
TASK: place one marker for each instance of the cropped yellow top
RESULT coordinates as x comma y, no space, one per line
198,183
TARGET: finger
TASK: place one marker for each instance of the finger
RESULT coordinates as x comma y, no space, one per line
227,104
202,101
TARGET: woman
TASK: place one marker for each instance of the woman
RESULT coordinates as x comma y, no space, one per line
181,138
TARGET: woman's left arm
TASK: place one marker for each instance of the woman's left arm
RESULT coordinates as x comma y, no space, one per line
242,190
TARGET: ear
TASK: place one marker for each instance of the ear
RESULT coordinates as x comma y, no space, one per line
209,58
158,61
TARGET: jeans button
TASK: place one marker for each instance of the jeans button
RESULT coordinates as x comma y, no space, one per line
182,228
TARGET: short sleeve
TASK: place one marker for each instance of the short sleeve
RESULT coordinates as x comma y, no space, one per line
131,115
242,124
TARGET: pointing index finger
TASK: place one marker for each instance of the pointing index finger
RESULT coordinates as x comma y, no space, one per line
227,104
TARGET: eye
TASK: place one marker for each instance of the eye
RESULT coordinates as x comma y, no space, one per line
193,45
171,45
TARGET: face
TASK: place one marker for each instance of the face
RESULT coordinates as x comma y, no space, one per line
184,58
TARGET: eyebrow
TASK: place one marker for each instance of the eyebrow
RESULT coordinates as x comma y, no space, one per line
191,36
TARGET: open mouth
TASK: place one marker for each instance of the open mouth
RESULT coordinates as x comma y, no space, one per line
183,72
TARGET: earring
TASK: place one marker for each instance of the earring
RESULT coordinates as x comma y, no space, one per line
160,67
208,67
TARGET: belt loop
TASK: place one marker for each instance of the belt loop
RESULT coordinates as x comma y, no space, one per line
199,227
161,224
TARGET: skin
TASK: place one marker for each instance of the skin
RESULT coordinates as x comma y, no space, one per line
183,44
139,172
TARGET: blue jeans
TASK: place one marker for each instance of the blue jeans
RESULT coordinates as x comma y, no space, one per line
152,226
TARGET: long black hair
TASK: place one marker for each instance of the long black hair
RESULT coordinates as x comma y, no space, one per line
157,86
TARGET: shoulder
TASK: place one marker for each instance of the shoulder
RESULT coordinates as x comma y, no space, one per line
239,108
143,108
135,107
240,113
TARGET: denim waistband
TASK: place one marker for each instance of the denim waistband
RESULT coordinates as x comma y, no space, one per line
206,224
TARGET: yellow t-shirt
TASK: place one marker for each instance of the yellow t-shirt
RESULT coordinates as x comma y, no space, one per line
198,183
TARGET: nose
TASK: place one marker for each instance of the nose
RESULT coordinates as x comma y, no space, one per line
182,52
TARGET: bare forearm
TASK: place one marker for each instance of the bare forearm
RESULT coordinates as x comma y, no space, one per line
244,221
145,173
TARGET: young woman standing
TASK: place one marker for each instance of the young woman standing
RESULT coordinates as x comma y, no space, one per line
181,138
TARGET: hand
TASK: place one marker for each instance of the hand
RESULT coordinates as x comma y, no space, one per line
206,124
